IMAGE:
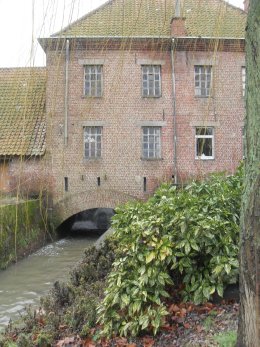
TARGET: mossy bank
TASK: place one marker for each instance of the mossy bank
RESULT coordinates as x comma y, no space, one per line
23,229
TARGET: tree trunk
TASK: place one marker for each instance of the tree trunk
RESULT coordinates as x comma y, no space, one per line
249,318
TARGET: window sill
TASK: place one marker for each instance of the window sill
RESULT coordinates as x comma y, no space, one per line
151,97
204,159
203,97
86,160
91,97
151,159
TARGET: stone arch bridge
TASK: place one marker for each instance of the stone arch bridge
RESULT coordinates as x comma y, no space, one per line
79,202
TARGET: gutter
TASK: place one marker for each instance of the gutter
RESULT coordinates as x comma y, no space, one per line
175,171
44,41
66,92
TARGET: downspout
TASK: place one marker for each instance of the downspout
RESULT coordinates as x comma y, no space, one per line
174,113
66,92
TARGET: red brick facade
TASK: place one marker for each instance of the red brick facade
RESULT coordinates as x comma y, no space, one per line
122,111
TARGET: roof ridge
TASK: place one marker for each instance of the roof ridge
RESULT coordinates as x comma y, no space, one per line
83,17
152,19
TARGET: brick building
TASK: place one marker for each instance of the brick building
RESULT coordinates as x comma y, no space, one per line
140,92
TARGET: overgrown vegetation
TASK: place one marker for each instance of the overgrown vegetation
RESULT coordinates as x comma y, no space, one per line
23,227
182,244
190,235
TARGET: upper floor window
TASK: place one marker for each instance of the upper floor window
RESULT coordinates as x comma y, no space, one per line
151,142
204,139
243,80
92,142
151,80
93,80
202,80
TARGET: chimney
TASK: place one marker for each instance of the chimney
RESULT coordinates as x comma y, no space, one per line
178,22
246,5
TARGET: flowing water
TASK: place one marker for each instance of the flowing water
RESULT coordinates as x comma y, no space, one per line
23,283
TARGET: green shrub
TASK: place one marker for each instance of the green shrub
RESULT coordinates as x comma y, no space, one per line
192,233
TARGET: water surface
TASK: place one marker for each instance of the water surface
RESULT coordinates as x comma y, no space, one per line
25,282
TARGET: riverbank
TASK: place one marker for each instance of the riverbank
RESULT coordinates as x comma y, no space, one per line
24,229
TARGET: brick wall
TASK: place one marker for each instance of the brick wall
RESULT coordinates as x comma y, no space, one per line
224,110
122,110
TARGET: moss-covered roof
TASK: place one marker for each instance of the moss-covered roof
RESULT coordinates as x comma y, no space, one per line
22,111
151,18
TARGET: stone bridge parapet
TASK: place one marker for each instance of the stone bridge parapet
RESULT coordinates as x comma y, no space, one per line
76,203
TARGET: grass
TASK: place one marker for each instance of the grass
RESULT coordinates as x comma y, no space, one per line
226,339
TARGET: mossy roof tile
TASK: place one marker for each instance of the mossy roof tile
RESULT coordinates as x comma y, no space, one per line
22,111
151,18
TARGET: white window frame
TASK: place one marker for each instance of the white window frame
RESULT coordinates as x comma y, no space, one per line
151,142
151,81
206,71
93,90
198,137
93,135
243,74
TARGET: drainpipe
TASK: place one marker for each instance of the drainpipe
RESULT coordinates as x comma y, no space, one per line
177,9
66,92
174,113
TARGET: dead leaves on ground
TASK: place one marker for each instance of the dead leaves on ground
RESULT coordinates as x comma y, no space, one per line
182,317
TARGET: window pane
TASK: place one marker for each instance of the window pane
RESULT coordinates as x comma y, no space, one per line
151,142
204,131
202,80
151,80
204,147
93,80
92,139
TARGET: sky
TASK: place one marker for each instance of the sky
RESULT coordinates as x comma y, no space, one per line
23,21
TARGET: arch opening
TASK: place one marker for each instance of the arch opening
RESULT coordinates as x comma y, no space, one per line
94,221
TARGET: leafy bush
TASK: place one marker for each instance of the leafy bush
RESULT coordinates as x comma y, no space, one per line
192,233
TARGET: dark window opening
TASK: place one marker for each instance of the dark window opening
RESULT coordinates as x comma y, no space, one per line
145,184
66,184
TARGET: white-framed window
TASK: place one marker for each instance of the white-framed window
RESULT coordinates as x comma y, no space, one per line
92,142
243,80
93,80
151,142
203,77
151,79
204,143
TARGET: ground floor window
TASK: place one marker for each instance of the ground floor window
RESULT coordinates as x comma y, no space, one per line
92,142
204,143
151,142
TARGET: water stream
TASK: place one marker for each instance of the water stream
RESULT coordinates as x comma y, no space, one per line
23,283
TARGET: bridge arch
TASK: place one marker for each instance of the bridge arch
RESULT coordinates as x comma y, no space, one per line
91,199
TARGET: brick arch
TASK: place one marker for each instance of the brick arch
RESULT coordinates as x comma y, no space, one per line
79,202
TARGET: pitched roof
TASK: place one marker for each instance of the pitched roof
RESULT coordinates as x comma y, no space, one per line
22,111
151,18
